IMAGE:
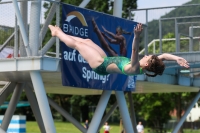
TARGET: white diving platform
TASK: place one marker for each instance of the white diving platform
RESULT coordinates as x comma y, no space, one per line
18,70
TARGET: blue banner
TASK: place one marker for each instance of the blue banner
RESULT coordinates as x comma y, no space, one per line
114,35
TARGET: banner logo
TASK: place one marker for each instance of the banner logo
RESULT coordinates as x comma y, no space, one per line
73,28
79,15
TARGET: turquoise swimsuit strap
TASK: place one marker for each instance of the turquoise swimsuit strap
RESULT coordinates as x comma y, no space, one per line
141,71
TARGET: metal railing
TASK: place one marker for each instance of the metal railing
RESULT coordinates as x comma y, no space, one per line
27,23
162,27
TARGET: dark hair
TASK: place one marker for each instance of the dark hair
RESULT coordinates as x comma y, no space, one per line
155,65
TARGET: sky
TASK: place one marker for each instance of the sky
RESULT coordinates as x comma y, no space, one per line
155,14
7,14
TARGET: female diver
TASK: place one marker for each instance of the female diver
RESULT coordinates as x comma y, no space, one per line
103,65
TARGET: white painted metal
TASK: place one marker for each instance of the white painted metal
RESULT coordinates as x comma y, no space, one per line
42,101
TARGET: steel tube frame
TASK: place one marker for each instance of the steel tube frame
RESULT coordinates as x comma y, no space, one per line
117,11
24,14
22,28
160,35
180,123
191,38
124,111
6,91
34,28
48,45
12,106
146,34
49,18
107,116
66,115
6,42
94,125
84,3
35,108
43,102
2,131
16,42
132,111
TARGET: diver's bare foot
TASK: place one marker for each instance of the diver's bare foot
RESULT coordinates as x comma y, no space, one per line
54,30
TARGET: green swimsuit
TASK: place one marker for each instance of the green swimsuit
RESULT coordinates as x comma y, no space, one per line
121,62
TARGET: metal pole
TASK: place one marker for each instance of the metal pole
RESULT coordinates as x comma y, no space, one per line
2,131
16,43
160,35
47,46
24,14
66,115
57,23
180,123
84,3
42,101
108,114
12,106
35,108
117,10
22,28
6,42
191,38
34,26
177,36
132,111
6,91
178,42
48,20
124,111
94,125
146,34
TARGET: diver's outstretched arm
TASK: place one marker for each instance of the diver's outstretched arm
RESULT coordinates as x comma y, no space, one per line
181,61
135,45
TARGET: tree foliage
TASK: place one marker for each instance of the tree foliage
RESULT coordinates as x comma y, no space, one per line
153,108
168,26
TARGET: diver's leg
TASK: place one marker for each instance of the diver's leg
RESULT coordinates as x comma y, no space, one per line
91,55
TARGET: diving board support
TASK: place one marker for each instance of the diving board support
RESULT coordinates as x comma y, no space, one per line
132,111
180,123
34,27
6,91
124,111
12,106
48,20
2,131
94,125
42,101
66,115
24,14
22,28
34,106
84,3
108,114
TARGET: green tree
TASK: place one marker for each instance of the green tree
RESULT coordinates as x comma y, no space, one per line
153,108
